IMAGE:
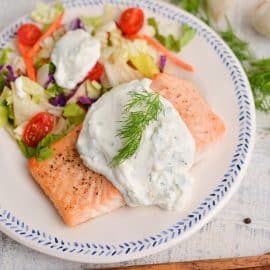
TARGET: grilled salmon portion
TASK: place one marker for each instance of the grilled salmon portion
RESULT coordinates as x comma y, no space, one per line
205,126
78,193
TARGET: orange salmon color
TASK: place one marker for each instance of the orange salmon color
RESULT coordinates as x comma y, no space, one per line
205,126
78,193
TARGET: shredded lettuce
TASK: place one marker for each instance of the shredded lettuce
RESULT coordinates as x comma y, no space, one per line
4,55
91,89
188,34
109,14
47,46
43,75
119,72
62,126
44,154
6,96
34,101
94,89
170,42
27,151
74,113
11,115
32,88
92,21
48,140
58,6
42,151
46,14
2,82
121,49
24,108
145,64
141,46
17,62
54,91
57,34
6,108
3,115
19,130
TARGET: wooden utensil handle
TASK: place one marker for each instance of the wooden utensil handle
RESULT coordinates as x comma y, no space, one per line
243,263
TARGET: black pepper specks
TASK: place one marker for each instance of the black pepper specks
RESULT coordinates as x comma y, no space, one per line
247,220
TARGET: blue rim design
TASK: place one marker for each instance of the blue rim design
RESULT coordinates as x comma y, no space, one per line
243,148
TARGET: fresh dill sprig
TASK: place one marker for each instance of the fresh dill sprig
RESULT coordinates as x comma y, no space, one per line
259,78
258,71
142,109
240,48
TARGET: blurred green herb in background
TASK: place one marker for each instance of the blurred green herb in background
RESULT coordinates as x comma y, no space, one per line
192,6
258,70
239,47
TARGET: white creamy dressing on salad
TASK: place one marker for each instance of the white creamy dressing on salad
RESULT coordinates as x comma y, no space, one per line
74,55
157,173
19,88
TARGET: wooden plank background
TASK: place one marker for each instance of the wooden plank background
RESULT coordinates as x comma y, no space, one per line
243,263
227,235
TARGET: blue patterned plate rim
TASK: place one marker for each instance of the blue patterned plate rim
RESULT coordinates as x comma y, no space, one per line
108,253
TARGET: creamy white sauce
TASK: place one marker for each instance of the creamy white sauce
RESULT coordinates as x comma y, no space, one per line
74,55
157,173
19,88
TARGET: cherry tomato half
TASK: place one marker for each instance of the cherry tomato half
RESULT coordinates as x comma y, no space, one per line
37,128
131,21
96,72
28,34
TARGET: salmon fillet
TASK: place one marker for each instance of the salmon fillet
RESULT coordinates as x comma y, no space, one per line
78,193
205,126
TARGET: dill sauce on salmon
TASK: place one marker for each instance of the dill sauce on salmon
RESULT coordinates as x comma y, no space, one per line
157,174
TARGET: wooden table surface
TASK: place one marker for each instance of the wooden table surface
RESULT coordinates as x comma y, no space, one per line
226,235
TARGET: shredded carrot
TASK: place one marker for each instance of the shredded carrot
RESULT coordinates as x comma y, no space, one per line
31,72
22,48
28,54
54,26
28,62
164,50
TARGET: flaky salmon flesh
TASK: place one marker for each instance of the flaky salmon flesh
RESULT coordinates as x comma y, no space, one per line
80,194
205,126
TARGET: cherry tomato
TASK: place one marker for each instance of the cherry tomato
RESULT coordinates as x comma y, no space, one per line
131,21
28,34
96,72
37,128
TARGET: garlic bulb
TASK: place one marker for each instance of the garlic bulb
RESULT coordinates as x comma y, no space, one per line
218,8
260,17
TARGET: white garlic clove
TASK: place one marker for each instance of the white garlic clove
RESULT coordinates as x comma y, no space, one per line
260,17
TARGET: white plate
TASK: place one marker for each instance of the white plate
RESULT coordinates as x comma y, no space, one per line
27,216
